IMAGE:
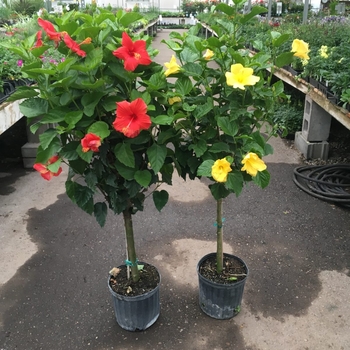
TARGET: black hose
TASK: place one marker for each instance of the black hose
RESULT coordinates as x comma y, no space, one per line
330,183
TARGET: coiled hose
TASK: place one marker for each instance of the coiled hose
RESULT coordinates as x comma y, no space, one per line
330,183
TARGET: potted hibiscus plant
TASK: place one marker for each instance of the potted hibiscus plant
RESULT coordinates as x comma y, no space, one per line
106,107
227,112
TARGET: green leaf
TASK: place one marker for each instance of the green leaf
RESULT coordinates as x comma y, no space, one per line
189,55
203,110
42,71
278,87
73,117
214,42
33,107
43,155
218,190
256,10
69,151
199,147
124,154
46,138
143,177
268,149
79,194
284,59
129,17
100,129
90,101
183,85
156,156
227,126
160,198
219,147
193,69
281,40
78,165
22,92
54,116
126,172
100,212
162,119
235,181
82,194
91,180
55,166
205,168
109,103
173,45
34,127
228,10
262,178
86,156
88,207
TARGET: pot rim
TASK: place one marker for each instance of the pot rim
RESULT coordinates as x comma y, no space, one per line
220,284
135,297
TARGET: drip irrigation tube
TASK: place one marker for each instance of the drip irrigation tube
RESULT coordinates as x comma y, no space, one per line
330,183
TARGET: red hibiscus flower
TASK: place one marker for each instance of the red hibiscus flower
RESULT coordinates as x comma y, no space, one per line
90,142
73,45
39,42
50,30
44,171
131,117
133,53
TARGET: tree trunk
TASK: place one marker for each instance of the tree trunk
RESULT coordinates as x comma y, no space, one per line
219,237
130,244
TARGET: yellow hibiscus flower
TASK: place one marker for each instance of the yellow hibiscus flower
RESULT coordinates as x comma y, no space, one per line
239,77
220,170
208,55
252,164
172,66
300,49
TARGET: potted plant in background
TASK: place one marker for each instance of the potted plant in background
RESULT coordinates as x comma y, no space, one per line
108,103
225,98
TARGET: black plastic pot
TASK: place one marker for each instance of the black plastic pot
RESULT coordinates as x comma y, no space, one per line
220,301
136,313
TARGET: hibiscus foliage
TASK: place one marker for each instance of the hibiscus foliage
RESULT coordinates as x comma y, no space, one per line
226,98
122,126
105,105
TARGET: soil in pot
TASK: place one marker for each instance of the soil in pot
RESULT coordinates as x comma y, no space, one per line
149,280
232,268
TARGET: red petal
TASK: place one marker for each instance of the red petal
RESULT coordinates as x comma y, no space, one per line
39,167
58,172
73,45
138,106
47,175
127,42
131,64
122,52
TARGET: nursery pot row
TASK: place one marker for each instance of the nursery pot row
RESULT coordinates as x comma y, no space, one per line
220,301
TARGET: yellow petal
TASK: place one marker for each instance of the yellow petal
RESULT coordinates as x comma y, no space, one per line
220,170
239,77
172,100
208,54
300,49
172,66
252,164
